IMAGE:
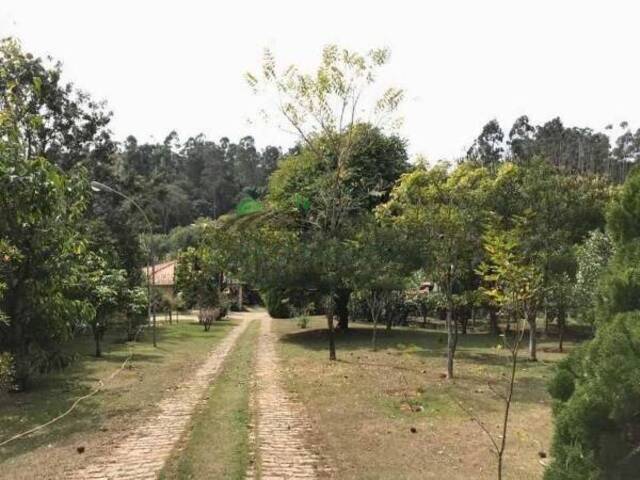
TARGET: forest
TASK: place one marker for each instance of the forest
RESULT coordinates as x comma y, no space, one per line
533,235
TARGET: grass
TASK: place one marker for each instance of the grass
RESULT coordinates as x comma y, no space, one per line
365,406
124,403
217,445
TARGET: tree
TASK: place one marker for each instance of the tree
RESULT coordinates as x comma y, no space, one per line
592,258
561,291
376,161
41,210
53,119
513,283
621,292
378,268
445,213
487,149
521,138
596,387
105,288
324,109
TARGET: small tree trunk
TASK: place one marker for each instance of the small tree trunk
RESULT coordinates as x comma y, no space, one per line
332,341
562,322
451,347
96,337
546,322
493,322
342,308
374,345
531,320
463,324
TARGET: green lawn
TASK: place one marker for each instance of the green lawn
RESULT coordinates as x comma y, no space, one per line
217,443
124,403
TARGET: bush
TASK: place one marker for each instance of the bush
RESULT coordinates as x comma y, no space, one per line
303,321
597,393
277,303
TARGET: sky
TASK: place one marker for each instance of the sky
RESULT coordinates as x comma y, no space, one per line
180,65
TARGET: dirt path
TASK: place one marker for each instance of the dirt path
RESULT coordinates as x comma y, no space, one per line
282,424
143,453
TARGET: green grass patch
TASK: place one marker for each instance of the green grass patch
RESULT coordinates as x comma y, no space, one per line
125,400
217,443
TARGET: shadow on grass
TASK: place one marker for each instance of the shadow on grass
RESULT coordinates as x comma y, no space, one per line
398,340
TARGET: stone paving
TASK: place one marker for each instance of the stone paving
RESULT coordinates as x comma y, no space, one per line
142,454
282,425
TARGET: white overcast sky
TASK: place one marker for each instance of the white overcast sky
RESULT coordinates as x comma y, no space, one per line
179,65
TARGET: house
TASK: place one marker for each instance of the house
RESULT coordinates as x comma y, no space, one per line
163,278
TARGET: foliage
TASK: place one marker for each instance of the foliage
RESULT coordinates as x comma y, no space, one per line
592,257
44,248
597,393
510,279
198,278
446,212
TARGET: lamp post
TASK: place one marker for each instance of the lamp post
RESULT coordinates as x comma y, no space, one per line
151,269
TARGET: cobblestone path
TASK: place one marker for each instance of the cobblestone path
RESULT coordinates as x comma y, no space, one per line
142,454
282,424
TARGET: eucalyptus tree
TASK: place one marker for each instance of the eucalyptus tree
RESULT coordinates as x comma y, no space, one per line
324,108
488,148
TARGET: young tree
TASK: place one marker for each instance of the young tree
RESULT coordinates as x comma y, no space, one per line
513,283
104,287
445,212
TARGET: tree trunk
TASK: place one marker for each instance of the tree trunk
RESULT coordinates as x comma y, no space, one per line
493,322
463,324
374,345
342,308
332,341
451,342
562,322
531,320
546,322
96,336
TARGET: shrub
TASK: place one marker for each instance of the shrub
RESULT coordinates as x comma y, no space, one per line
277,303
597,393
303,321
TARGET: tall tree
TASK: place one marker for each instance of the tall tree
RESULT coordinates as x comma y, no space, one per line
324,109
487,149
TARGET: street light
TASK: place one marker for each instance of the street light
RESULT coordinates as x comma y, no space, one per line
151,278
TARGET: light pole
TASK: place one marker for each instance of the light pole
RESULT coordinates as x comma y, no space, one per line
151,269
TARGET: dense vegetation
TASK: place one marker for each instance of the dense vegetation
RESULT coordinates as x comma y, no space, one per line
539,225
